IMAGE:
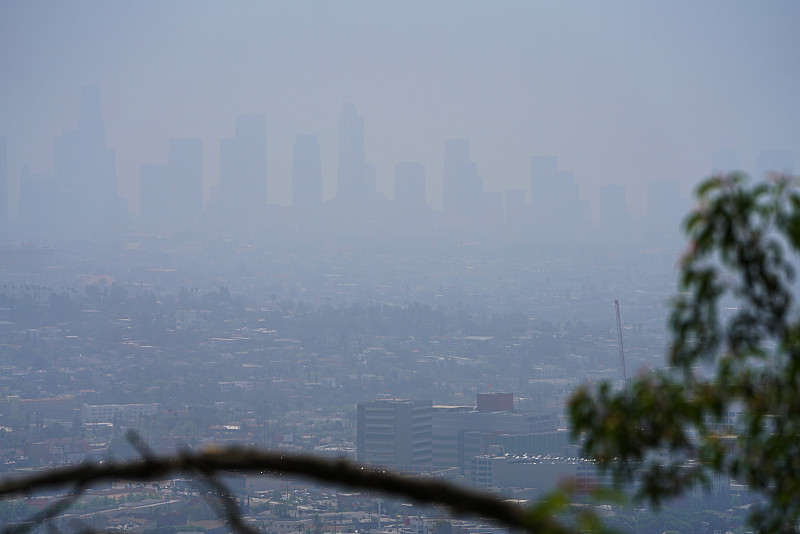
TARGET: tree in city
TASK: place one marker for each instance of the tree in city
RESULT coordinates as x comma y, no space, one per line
727,405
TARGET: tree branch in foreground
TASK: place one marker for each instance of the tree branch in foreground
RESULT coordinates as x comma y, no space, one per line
459,499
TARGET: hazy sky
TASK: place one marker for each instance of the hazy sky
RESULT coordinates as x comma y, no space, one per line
621,92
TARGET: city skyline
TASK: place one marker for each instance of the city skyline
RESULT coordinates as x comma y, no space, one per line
492,243
621,96
82,191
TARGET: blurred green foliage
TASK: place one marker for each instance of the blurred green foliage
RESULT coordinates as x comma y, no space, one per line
729,402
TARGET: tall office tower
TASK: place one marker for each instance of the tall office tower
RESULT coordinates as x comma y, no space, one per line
352,179
555,199
614,220
243,172
306,173
462,189
409,185
3,181
85,170
768,161
724,161
396,433
172,194
460,432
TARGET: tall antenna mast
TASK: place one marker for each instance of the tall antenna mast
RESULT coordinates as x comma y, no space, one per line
621,351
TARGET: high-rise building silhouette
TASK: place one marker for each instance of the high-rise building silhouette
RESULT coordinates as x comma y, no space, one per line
84,169
462,189
555,200
172,194
306,173
460,432
243,172
397,433
409,185
3,182
352,179
81,196
82,160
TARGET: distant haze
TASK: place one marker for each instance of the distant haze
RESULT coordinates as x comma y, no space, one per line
622,92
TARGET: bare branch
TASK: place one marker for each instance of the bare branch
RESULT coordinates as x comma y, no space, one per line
459,499
139,444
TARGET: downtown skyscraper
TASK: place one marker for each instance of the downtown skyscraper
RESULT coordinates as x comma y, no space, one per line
243,173
81,195
557,209
462,189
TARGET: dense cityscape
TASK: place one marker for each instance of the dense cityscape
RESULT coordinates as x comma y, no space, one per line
450,353
295,359
400,235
